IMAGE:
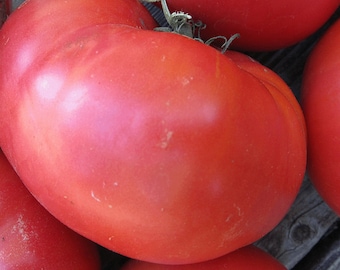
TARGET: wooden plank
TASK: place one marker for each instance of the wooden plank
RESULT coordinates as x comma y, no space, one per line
326,254
305,224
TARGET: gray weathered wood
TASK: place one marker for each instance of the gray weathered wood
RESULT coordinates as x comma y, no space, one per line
325,255
304,225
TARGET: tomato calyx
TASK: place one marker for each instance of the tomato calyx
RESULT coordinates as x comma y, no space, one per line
182,23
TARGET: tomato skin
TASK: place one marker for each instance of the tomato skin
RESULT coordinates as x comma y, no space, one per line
43,32
132,140
263,24
249,257
33,239
115,142
320,100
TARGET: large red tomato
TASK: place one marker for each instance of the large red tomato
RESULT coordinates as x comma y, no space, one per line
262,24
151,144
246,258
30,238
321,104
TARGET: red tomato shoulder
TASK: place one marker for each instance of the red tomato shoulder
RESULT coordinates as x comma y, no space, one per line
263,24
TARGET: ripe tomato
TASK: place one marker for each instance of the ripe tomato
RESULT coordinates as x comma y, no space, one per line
249,257
263,24
151,144
321,104
33,239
